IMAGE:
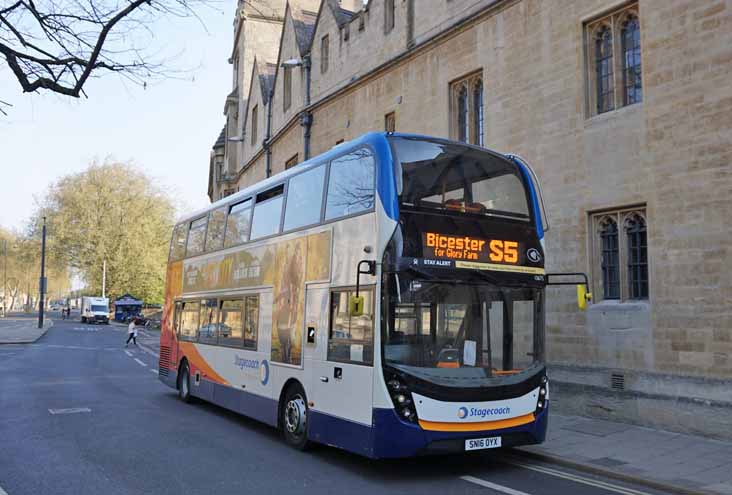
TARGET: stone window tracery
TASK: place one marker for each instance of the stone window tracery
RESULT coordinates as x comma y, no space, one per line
467,124
614,60
619,249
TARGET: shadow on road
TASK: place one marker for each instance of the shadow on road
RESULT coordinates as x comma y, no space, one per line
394,470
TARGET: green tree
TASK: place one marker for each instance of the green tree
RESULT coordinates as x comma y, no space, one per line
24,267
115,213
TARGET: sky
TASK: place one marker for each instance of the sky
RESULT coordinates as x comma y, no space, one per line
167,129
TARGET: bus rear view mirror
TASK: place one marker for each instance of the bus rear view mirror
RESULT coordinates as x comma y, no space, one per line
583,294
355,306
583,297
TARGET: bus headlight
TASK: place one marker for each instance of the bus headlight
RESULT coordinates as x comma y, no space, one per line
401,398
543,391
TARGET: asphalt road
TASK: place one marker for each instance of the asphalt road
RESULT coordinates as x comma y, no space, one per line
80,414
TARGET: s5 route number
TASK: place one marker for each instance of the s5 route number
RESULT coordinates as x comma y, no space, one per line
503,251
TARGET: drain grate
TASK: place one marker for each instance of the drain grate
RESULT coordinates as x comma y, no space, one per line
617,381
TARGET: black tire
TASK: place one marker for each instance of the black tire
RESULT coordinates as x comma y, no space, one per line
184,384
83,320
294,415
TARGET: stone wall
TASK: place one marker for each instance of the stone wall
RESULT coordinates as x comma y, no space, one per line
670,154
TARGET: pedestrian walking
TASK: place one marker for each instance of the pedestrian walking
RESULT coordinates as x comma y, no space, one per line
132,332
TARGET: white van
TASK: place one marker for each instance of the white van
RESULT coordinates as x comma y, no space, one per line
95,310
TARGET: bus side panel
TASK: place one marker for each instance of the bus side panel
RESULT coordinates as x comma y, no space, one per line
342,433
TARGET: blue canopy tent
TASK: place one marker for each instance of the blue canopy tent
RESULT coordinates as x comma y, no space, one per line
126,306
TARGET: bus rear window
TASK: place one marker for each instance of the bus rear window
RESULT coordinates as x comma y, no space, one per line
453,178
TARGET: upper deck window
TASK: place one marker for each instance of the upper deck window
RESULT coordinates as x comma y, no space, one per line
178,244
305,198
238,223
196,237
216,226
458,179
351,184
267,212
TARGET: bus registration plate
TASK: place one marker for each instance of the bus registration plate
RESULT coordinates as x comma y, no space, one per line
483,443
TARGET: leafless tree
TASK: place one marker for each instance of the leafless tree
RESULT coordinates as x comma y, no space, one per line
57,45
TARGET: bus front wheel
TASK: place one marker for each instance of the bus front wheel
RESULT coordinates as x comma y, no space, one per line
295,417
184,384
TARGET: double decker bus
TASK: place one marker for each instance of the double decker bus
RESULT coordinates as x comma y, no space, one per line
386,298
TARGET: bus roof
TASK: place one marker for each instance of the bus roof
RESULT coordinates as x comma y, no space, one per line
377,140
337,150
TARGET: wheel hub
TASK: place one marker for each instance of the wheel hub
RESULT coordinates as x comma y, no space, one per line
295,416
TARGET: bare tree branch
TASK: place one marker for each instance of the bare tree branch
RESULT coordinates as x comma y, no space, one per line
58,45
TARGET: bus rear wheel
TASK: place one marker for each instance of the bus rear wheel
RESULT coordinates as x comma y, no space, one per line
295,417
184,384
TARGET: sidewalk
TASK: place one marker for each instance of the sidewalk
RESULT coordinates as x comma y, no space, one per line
659,458
14,330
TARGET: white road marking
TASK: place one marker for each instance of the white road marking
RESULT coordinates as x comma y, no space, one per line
140,362
3,492
151,369
149,351
579,479
70,410
128,353
492,486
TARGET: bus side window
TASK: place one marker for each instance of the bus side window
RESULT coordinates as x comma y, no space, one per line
304,198
189,320
251,321
216,226
196,236
176,317
207,331
268,212
230,328
178,243
351,185
238,223
351,338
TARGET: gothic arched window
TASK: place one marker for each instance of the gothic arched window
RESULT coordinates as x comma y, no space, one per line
632,83
462,109
610,256
604,69
635,230
478,112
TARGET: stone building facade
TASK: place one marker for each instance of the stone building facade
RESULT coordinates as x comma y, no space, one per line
623,108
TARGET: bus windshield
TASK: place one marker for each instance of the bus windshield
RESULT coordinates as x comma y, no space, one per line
454,178
461,334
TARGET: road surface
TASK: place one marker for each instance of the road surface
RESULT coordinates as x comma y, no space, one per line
81,414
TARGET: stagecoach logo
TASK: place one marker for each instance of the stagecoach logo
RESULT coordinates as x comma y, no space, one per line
264,372
253,364
533,255
483,412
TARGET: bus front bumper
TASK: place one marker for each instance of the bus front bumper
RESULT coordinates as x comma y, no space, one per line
397,438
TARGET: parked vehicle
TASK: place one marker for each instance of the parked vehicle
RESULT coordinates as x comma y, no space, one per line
95,310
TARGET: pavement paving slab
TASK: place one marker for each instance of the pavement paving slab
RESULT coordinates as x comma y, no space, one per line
22,330
694,464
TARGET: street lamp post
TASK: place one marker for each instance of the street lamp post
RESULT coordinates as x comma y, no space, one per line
43,276
5,277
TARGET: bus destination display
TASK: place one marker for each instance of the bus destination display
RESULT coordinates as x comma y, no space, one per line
467,248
